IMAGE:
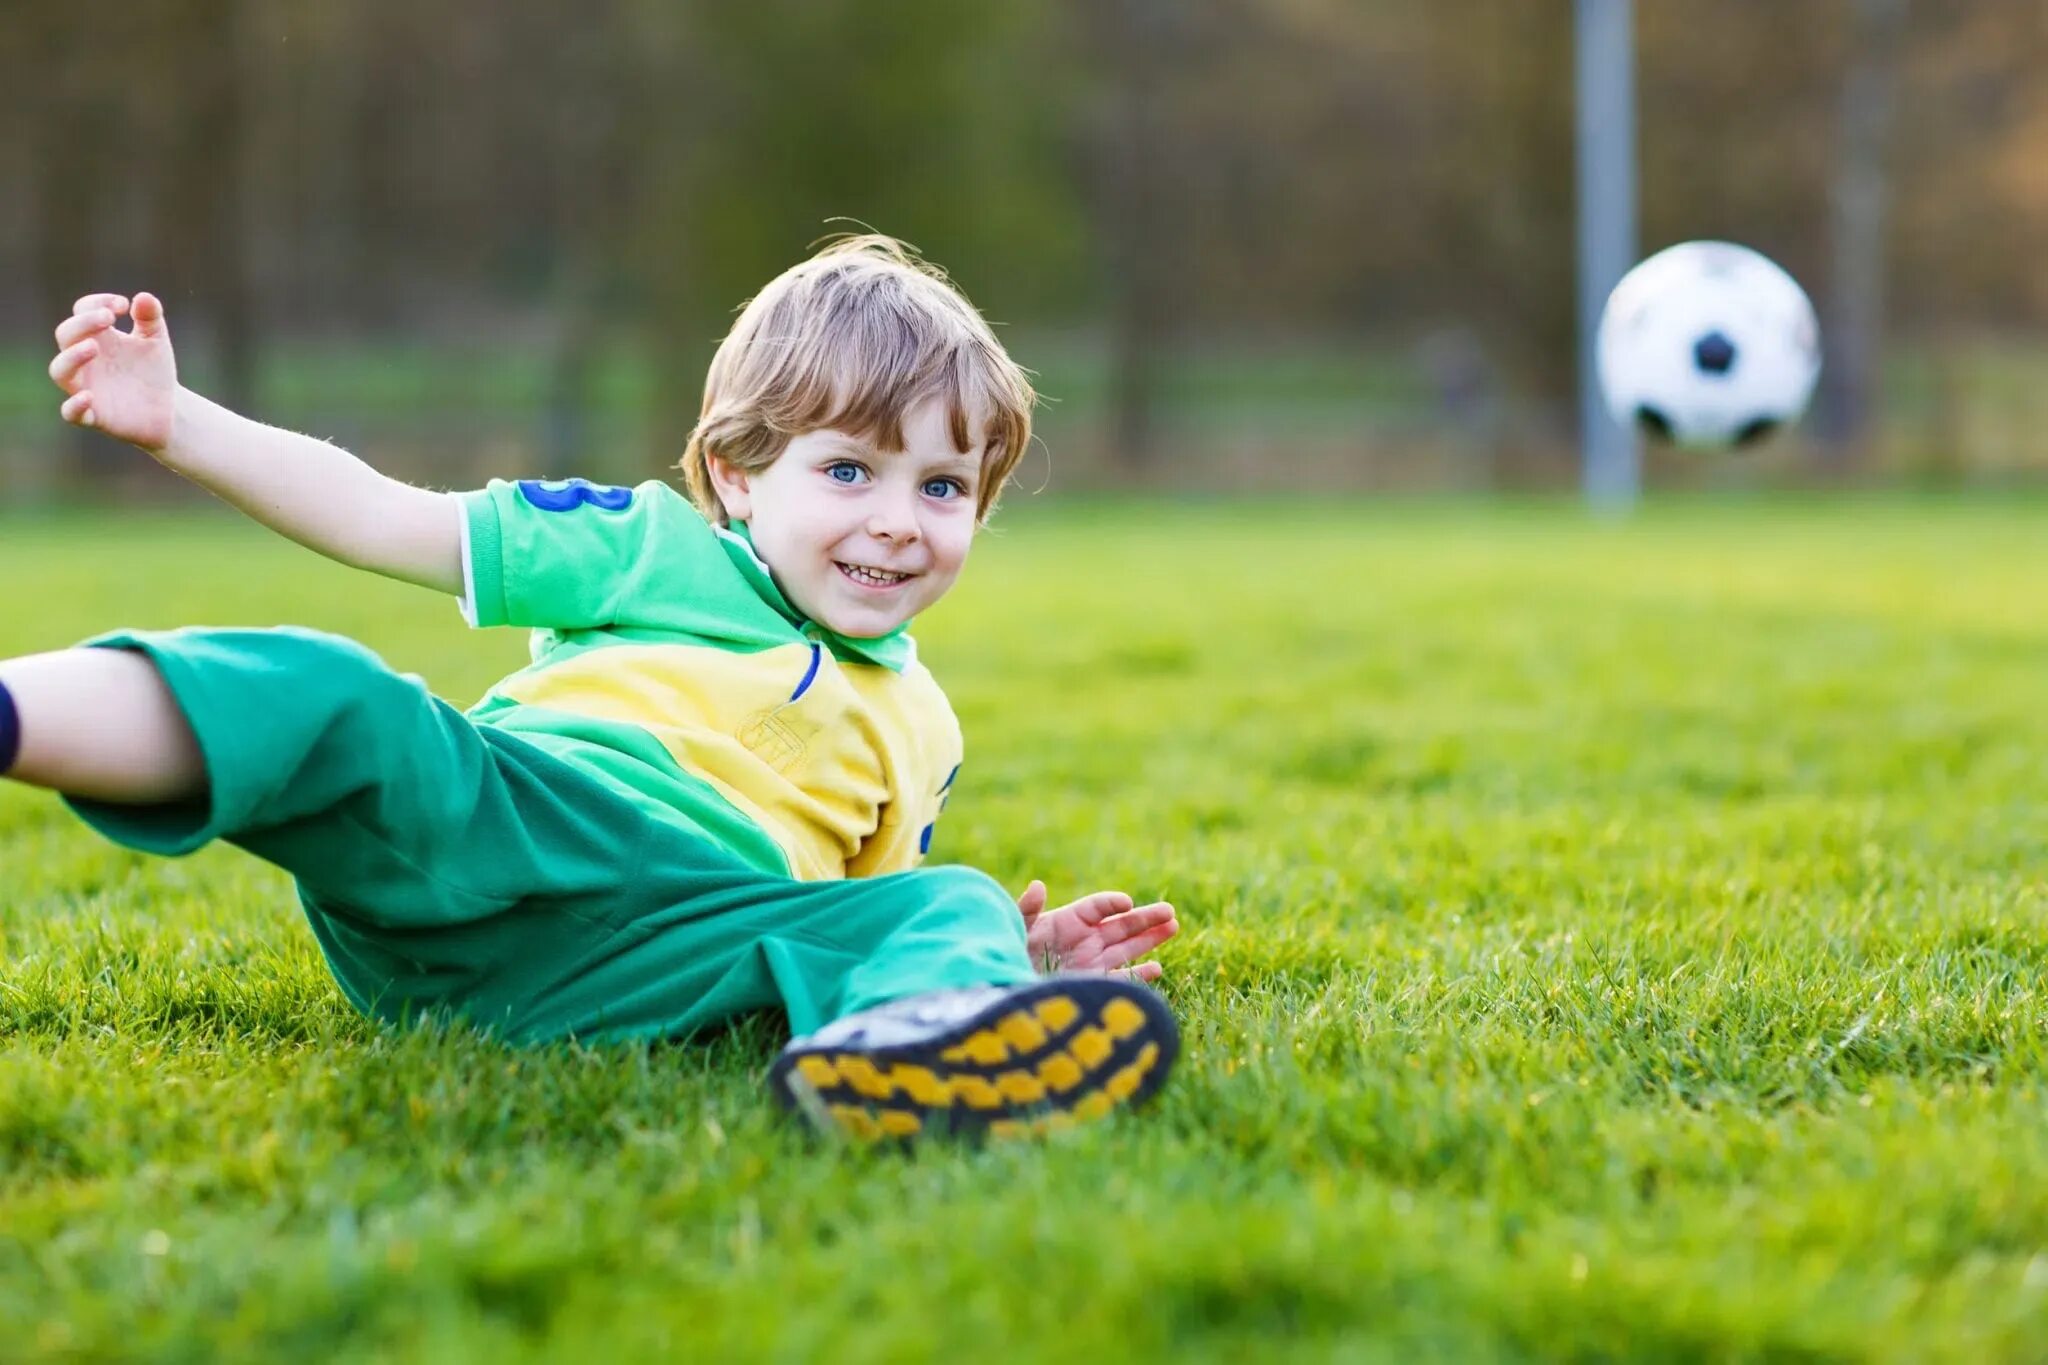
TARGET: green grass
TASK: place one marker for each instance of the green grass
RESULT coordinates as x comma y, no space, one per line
1602,942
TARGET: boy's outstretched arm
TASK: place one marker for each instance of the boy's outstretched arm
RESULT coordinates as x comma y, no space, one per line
1103,932
126,384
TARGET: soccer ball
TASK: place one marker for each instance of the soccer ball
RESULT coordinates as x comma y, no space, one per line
1708,344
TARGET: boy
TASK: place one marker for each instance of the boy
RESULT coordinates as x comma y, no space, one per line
707,793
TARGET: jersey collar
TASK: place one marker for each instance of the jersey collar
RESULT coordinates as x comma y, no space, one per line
893,651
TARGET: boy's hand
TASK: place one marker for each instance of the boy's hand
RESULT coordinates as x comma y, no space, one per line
1098,933
123,383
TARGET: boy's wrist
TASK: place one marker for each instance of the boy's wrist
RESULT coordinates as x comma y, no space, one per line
168,452
182,451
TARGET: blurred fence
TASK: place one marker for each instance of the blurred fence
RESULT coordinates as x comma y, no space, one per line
1230,418
1310,242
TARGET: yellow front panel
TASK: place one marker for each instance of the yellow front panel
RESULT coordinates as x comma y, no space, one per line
835,776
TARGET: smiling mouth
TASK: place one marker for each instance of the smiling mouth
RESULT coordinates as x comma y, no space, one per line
872,578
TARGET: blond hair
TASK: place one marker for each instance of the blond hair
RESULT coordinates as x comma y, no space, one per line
852,339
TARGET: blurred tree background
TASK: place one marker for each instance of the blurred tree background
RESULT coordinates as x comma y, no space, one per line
1243,242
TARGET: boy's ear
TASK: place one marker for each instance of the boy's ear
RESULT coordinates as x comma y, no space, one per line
731,484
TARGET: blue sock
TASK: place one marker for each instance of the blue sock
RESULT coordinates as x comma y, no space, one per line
10,730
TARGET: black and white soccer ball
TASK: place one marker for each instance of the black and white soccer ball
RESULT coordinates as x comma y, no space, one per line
1708,344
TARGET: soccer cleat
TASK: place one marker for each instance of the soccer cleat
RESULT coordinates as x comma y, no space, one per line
1001,1060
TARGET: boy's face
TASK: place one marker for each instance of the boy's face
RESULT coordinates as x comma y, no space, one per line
859,539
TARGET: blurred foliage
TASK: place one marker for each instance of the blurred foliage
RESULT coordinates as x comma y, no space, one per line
1148,177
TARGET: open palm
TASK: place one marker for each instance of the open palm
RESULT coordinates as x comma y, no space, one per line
123,383
1098,933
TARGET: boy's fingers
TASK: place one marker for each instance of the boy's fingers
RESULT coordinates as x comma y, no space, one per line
1092,910
78,408
113,303
81,325
1117,928
1143,971
149,315
1032,902
1136,946
70,361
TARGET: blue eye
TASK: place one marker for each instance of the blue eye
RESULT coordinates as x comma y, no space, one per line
844,471
945,488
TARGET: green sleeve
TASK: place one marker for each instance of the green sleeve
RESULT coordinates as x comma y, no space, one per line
559,555
572,555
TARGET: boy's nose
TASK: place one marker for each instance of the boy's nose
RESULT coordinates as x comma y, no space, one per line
892,522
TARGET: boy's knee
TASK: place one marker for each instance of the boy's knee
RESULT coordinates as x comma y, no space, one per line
972,892
314,669
330,691
968,881
337,663
319,648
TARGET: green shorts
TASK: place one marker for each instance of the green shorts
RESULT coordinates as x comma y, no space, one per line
448,867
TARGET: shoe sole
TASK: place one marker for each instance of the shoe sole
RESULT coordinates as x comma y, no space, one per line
1045,1057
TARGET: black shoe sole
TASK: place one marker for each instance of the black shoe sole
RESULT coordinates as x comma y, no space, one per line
1044,1057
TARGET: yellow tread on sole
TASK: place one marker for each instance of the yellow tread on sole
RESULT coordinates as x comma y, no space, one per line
1022,1032
1021,1087
922,1084
1056,1012
856,1120
977,1093
1126,1082
900,1123
986,1047
1092,1046
1061,1072
860,1073
1122,1019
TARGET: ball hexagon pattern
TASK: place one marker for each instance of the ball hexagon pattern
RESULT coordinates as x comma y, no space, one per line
1708,344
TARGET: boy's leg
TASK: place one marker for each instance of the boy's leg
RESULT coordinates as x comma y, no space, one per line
711,938
426,848
915,1003
97,723
371,791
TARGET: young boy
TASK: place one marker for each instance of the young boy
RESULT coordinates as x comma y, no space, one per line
707,792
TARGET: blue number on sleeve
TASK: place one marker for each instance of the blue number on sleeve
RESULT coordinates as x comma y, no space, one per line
924,840
567,496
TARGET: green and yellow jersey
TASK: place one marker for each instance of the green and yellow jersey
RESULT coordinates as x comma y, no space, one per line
667,663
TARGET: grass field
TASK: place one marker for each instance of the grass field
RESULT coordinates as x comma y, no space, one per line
1602,942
